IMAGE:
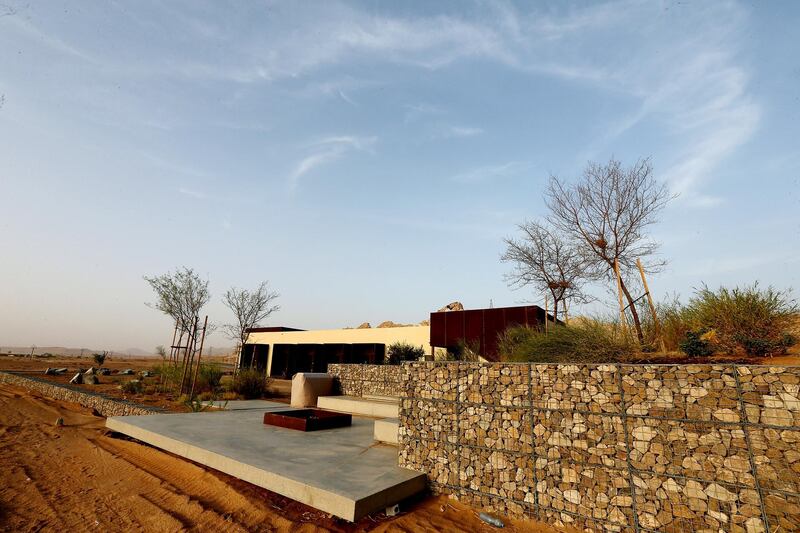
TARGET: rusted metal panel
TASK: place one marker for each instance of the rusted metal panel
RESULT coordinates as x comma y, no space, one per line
480,327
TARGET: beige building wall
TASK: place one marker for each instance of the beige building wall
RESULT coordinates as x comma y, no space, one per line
416,335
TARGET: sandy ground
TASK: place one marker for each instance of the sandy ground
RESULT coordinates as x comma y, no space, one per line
80,477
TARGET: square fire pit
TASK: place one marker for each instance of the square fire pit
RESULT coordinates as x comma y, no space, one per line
308,419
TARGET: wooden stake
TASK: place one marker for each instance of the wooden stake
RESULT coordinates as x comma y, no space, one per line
656,325
172,345
566,313
199,354
188,354
622,322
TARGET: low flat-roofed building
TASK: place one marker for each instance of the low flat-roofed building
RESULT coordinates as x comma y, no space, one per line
281,352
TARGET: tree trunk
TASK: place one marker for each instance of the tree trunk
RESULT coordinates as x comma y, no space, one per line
636,322
555,311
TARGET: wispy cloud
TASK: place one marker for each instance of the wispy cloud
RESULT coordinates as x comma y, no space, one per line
458,131
173,167
193,193
695,90
327,150
414,112
491,172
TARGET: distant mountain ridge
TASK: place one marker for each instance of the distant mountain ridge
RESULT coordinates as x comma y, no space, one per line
74,352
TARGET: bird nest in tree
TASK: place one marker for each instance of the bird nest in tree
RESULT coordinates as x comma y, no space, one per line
601,243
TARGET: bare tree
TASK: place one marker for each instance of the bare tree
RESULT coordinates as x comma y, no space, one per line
181,295
249,308
608,212
547,261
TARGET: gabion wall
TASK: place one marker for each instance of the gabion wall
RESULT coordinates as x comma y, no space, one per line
610,447
104,405
365,380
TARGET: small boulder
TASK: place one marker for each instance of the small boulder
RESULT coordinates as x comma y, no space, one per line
390,324
91,379
145,374
50,372
77,379
60,370
365,325
452,306
104,371
126,372
59,421
89,372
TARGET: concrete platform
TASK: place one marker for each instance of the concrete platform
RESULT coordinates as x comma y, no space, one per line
339,471
379,408
387,430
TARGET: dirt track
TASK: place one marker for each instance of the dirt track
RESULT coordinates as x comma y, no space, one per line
80,478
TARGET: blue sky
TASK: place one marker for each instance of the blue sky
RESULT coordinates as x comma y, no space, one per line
368,158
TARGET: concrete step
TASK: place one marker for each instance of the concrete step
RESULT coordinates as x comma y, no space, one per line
357,405
387,430
382,398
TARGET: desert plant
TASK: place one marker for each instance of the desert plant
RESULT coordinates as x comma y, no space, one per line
586,341
133,386
696,344
403,351
202,403
168,372
249,383
229,395
749,318
674,323
99,358
209,376
465,351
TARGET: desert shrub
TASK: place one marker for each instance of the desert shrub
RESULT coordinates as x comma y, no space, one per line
229,395
673,322
133,386
161,351
750,319
99,358
168,372
403,351
696,344
587,341
465,351
209,376
249,383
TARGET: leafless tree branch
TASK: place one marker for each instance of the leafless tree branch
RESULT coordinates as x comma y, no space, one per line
249,308
608,212
545,260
